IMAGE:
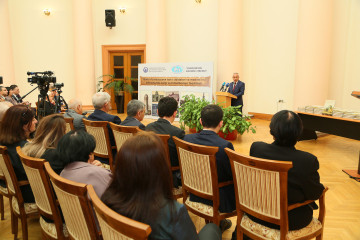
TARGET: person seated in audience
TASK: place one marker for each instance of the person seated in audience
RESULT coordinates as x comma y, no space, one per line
141,190
17,124
102,105
75,111
211,120
303,178
9,97
48,133
16,95
135,114
4,106
167,109
76,149
3,93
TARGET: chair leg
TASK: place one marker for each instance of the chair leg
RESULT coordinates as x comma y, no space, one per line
14,224
320,237
2,206
24,227
240,234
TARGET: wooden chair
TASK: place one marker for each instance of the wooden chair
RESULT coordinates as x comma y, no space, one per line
199,177
261,191
115,226
100,131
121,133
18,208
177,192
44,197
75,205
69,124
4,192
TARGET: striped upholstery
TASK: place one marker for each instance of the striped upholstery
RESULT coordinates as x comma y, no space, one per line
74,217
259,190
120,138
196,171
99,134
108,232
5,170
38,189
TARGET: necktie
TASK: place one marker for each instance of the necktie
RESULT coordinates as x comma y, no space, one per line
234,86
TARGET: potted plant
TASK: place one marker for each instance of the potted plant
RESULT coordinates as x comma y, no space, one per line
190,110
234,122
118,87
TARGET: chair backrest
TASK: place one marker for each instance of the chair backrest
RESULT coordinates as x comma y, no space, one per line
261,187
43,192
100,131
69,124
75,205
10,177
121,133
115,226
198,169
165,138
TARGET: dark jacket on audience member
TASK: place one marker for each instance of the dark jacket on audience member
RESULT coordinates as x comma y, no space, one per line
163,126
99,115
131,121
303,180
227,193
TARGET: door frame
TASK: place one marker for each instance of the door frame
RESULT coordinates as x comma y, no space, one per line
107,50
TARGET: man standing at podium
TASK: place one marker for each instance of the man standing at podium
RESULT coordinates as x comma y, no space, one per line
237,88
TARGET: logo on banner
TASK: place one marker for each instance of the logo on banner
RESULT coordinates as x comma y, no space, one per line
177,69
145,69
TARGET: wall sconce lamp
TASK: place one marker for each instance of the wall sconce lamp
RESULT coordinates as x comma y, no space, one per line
122,9
47,11
198,1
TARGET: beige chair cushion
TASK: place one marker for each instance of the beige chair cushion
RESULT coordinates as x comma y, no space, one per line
177,191
50,229
29,207
105,166
4,190
269,233
200,207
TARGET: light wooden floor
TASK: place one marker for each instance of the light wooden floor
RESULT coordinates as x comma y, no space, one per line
342,219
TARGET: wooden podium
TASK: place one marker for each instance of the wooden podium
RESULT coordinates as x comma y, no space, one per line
224,98
355,174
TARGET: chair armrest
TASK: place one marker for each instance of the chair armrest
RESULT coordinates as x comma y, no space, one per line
175,168
296,205
23,183
223,184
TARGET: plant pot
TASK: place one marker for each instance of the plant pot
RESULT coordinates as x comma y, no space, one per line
230,136
119,100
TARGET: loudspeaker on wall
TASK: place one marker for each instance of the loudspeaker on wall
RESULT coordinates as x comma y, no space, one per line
110,18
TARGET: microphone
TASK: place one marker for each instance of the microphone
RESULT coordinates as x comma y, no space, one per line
227,86
222,87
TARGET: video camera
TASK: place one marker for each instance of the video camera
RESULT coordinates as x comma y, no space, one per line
41,78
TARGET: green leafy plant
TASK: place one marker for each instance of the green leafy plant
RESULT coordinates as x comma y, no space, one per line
234,120
118,86
190,111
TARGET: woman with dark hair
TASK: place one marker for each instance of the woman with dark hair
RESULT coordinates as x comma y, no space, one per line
141,189
48,133
303,178
75,149
17,124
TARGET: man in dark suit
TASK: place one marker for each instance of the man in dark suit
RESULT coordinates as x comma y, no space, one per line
303,178
211,119
135,114
237,88
167,109
102,105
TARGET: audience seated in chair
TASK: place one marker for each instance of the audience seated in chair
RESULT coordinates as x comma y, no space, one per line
167,110
17,124
303,178
211,119
3,93
48,133
75,150
141,190
135,114
75,111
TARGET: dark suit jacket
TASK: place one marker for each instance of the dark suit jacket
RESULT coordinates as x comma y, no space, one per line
99,115
227,193
163,126
303,178
238,92
131,121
